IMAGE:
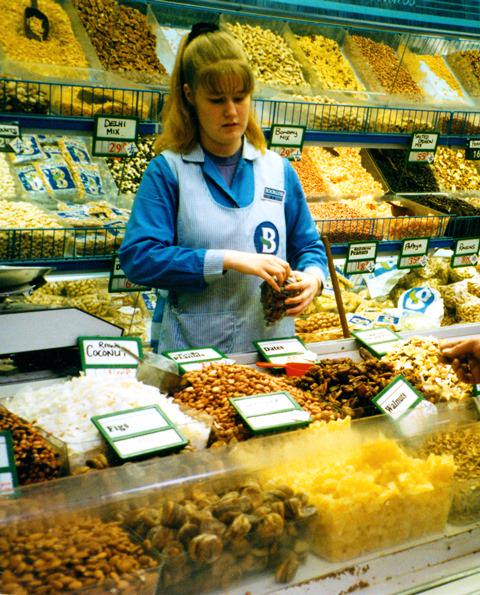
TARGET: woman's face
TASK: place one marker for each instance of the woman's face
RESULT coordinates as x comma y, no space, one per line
222,117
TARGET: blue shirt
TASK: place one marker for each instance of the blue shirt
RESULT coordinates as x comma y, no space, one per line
149,253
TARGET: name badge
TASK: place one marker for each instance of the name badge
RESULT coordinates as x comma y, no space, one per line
273,194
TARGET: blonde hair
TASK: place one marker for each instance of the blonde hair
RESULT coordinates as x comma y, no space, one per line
213,61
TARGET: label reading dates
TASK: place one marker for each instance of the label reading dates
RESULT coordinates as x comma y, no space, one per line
282,351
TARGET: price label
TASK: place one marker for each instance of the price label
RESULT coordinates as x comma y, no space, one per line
397,398
465,252
421,157
195,359
413,253
286,136
270,412
476,390
10,138
378,340
422,147
115,136
8,469
114,356
287,349
361,257
472,150
118,281
134,433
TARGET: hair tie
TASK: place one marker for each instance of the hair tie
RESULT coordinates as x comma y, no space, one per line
200,29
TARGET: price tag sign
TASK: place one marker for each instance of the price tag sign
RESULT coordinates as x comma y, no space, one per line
378,340
8,469
282,351
195,359
422,147
104,355
134,433
472,150
270,412
413,253
397,398
115,136
10,137
361,258
118,282
476,390
465,252
287,140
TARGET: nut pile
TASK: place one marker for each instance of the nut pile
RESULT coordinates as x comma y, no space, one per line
7,183
16,96
343,387
209,390
61,47
325,56
122,38
422,357
271,59
311,180
330,115
212,539
453,172
467,67
36,460
273,302
400,177
71,556
317,322
383,61
340,222
128,173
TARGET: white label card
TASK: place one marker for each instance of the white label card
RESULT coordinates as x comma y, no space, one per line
424,141
149,442
466,246
366,251
107,351
133,422
397,398
262,404
287,136
115,128
281,351
194,355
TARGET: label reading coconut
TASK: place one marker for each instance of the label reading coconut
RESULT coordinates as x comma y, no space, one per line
360,258
8,469
378,340
139,431
105,356
282,351
270,412
397,398
195,359
413,253
465,252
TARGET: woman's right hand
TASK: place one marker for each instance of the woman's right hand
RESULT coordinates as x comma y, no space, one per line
272,269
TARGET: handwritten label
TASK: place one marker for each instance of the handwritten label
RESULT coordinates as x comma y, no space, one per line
378,340
118,281
465,252
270,411
107,352
476,390
472,150
287,349
115,136
422,148
111,148
397,398
360,257
8,469
140,431
195,359
286,136
10,138
413,253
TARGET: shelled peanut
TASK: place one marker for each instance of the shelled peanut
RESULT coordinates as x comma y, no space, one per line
35,459
69,556
214,537
453,172
61,47
467,67
329,63
271,59
122,38
383,61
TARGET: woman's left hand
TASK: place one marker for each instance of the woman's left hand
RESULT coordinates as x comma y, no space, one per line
308,287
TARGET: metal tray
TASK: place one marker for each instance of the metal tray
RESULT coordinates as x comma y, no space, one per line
12,277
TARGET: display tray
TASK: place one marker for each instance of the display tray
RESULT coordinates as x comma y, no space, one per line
14,276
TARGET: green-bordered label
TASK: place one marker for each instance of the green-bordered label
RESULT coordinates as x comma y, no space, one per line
118,281
397,398
194,359
111,356
413,253
476,390
287,140
465,252
378,340
423,146
115,136
8,469
270,412
361,258
137,432
472,150
10,137
284,350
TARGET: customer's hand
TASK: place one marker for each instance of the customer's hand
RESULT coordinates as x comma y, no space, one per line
272,269
308,287
465,356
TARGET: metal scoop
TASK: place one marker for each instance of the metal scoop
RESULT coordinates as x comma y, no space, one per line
35,22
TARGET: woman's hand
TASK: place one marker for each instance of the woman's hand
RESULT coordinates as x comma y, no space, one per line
466,359
309,286
272,269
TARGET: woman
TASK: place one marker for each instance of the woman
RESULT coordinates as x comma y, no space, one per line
216,213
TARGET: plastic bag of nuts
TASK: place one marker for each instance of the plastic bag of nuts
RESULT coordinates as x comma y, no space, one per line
273,302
